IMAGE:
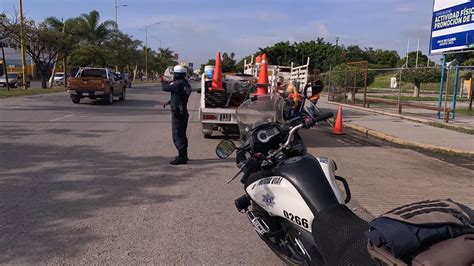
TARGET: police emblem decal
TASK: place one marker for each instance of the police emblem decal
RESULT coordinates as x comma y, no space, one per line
268,199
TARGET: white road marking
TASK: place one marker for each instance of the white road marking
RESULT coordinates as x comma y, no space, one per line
62,117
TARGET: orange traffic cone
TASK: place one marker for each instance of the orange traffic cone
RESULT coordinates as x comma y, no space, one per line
217,77
338,129
263,83
258,60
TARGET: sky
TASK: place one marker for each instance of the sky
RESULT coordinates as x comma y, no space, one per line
197,29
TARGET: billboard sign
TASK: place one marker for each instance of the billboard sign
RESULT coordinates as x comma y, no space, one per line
452,28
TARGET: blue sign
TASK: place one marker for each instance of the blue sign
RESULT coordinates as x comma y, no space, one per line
452,28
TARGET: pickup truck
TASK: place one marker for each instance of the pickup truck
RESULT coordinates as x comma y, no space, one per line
217,110
96,83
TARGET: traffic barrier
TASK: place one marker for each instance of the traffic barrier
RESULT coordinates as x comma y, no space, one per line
338,128
263,83
217,77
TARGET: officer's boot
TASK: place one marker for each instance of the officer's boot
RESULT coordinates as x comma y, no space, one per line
181,159
185,154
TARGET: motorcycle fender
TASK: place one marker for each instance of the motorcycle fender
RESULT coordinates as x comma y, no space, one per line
279,197
329,169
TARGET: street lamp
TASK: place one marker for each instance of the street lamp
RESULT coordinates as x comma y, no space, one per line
146,47
116,17
116,31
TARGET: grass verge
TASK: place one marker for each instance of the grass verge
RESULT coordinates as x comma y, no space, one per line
31,91
448,126
465,111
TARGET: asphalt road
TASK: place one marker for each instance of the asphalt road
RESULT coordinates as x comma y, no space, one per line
91,184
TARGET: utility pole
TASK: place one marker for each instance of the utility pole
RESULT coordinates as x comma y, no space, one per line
22,41
332,62
4,64
417,51
146,48
408,51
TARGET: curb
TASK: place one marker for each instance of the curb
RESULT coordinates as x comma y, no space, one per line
409,118
408,143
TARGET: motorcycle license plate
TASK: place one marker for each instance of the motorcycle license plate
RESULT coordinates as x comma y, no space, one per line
225,117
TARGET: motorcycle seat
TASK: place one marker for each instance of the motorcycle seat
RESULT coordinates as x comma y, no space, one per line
340,236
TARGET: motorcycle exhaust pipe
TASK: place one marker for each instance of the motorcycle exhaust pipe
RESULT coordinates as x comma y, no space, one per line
258,223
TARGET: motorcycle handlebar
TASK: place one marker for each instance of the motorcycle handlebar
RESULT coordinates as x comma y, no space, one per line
309,122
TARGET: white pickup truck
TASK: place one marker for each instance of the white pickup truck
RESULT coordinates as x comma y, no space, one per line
217,109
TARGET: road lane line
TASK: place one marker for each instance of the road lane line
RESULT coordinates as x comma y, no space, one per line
60,118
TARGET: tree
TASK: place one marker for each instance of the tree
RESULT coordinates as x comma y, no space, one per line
354,53
165,58
43,44
422,60
125,49
420,75
228,63
92,55
382,58
94,31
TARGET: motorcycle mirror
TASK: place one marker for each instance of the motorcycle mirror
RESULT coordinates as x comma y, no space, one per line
313,89
225,148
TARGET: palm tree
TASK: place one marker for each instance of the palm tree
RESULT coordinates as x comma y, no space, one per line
165,59
94,31
166,53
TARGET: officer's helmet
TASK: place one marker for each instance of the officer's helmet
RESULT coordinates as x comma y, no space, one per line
179,71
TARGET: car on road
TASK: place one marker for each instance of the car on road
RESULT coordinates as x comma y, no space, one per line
15,80
58,79
96,83
126,79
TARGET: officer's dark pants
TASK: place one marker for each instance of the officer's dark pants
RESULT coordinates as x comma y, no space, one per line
179,124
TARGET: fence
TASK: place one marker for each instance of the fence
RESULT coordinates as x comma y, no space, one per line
413,90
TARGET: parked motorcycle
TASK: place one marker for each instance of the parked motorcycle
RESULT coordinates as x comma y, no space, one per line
292,198
288,191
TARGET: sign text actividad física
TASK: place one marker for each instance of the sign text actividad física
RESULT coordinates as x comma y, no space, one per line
452,18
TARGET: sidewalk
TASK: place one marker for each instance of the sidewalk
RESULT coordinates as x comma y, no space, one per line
403,131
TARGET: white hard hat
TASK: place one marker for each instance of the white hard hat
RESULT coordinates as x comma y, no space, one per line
179,69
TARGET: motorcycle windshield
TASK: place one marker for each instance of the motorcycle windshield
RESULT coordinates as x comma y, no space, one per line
262,110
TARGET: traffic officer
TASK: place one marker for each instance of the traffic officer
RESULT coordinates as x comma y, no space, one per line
180,91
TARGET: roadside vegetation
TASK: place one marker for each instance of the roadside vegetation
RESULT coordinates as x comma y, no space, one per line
85,40
29,92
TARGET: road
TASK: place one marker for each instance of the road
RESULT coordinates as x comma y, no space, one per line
91,184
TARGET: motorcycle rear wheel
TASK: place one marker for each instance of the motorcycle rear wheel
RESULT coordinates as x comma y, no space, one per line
282,244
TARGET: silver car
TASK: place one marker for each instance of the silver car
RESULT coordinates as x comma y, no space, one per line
15,80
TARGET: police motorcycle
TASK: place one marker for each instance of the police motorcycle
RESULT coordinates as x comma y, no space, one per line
292,198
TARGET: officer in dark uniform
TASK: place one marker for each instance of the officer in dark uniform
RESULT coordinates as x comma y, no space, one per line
180,91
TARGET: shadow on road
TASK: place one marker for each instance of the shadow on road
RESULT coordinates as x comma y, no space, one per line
48,192
322,138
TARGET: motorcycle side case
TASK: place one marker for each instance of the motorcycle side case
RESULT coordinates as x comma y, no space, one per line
296,189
